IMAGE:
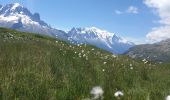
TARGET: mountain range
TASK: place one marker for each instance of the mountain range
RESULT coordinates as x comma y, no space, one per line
16,16
100,38
157,52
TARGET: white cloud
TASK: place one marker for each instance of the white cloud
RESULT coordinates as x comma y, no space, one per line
162,9
159,33
118,12
130,9
133,10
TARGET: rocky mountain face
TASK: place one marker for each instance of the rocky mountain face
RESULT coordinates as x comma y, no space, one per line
158,52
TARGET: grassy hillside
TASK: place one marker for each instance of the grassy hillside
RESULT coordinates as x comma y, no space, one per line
34,67
157,52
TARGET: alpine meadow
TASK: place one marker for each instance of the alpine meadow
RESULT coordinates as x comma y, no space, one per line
81,60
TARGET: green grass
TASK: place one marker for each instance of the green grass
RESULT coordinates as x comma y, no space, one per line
35,67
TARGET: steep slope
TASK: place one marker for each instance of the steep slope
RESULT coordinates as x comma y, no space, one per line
159,52
16,16
36,67
101,39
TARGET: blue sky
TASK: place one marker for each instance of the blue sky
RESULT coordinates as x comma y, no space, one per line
110,15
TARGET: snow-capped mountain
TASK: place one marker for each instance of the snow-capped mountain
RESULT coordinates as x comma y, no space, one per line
100,38
17,17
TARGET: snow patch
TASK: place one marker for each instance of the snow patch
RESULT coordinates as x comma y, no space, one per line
15,5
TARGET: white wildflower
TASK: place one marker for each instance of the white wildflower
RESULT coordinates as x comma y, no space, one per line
114,56
79,54
87,58
130,65
97,93
118,94
106,57
168,97
82,51
84,55
144,60
104,63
